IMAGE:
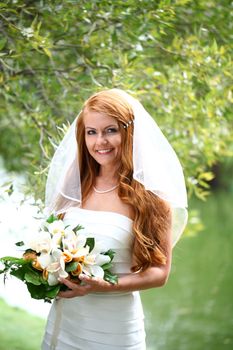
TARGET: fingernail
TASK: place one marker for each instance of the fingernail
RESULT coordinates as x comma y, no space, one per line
81,276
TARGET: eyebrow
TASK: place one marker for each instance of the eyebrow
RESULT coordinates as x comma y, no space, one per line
109,126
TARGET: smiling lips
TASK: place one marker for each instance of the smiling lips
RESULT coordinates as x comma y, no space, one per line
104,151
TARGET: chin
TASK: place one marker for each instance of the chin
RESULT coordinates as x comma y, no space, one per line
106,162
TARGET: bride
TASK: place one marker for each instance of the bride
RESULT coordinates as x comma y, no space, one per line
116,175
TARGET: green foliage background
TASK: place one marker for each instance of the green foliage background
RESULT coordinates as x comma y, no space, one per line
175,56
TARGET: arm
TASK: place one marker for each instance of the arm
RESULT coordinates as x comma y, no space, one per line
154,276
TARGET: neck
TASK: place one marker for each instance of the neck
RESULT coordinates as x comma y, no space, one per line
108,175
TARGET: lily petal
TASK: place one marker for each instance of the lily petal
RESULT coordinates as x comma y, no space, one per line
44,260
102,259
81,252
97,271
86,270
56,226
52,279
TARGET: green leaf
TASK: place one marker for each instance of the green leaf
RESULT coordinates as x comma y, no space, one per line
106,266
71,266
35,291
19,273
51,219
45,292
19,244
53,291
11,260
109,277
90,242
110,253
33,277
78,228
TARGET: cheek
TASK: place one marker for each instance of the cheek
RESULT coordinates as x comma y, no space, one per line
89,143
118,141
118,147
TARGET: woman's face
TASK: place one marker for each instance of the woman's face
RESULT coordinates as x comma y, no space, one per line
103,138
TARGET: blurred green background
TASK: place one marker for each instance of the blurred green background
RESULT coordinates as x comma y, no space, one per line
195,309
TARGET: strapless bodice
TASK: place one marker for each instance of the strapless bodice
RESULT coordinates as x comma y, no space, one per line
99,321
113,230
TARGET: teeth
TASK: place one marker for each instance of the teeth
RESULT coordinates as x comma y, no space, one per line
102,151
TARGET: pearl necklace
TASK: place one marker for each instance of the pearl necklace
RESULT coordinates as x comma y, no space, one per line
105,191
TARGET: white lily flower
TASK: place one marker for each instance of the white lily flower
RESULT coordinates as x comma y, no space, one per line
81,241
55,266
102,259
99,247
96,259
72,242
56,239
42,243
45,260
81,252
57,226
92,264
69,242
97,271
53,278
94,270
69,233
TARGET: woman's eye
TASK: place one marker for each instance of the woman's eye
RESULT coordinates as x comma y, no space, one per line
90,132
112,130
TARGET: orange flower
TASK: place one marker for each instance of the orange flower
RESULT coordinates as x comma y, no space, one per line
67,256
45,274
29,256
37,265
77,271
79,258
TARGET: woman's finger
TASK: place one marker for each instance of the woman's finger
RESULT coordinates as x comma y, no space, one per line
66,294
90,280
84,278
75,289
95,283
69,283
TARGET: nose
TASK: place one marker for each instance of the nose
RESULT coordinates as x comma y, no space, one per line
101,139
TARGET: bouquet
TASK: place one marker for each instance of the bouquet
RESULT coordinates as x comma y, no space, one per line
58,252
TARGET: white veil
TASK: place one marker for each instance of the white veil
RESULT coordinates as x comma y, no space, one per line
155,165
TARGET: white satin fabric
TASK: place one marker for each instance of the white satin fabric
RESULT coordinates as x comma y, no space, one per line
99,321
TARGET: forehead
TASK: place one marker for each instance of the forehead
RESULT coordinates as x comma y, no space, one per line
97,119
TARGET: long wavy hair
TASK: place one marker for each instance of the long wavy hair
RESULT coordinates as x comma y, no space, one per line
151,214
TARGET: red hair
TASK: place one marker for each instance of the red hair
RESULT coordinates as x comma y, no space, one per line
152,218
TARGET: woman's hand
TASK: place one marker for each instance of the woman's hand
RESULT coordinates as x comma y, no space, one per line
152,277
89,285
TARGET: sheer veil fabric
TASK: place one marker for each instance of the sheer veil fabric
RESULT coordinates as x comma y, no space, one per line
155,165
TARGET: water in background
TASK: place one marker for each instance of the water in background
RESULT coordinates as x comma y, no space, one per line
194,311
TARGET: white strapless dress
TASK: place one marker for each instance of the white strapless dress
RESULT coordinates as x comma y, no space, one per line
99,321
